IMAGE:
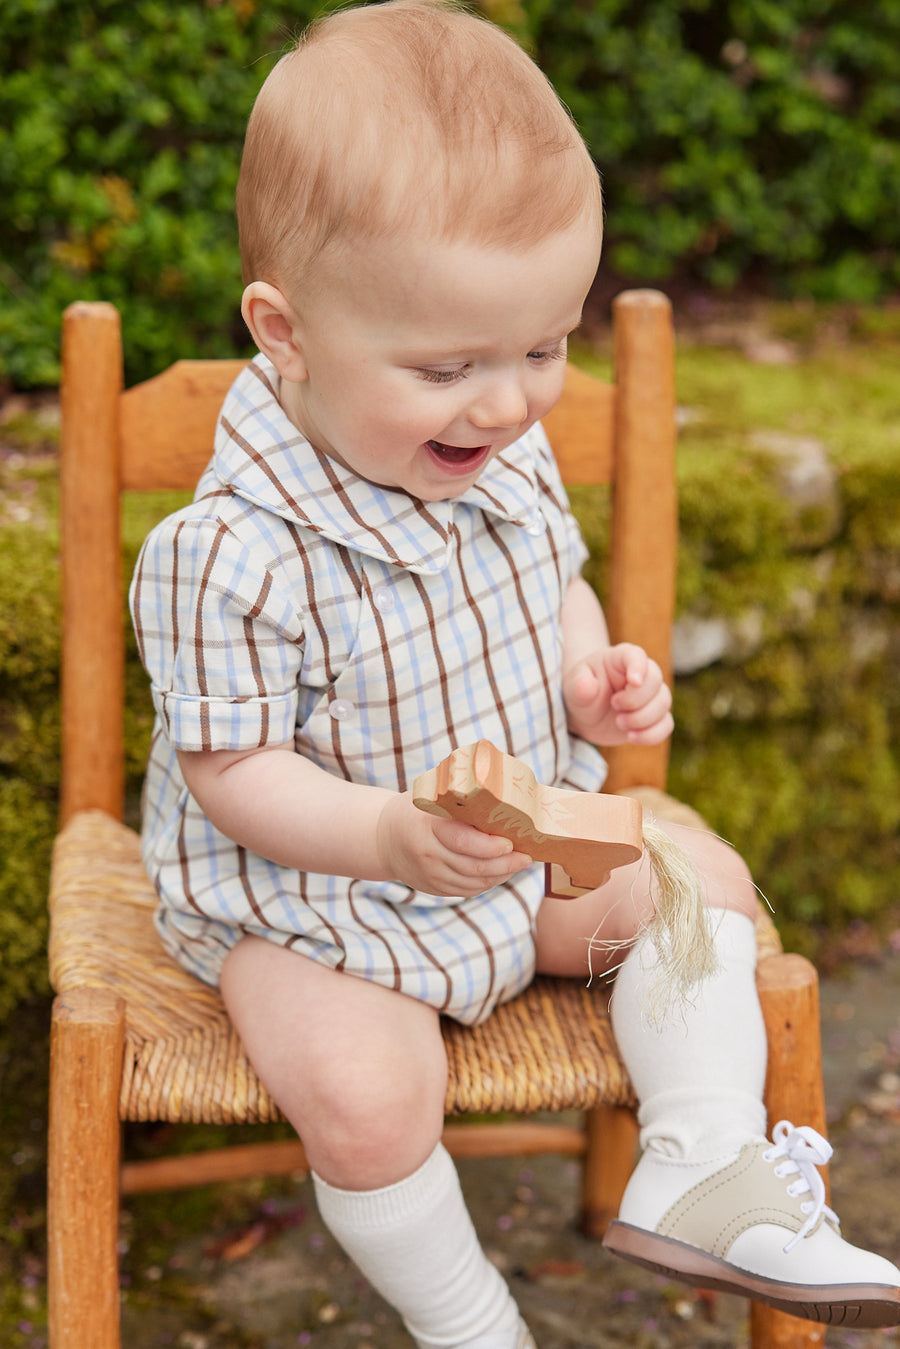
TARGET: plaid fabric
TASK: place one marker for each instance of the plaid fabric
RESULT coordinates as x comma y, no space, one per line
293,598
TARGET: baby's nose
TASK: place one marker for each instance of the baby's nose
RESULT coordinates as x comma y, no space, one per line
502,404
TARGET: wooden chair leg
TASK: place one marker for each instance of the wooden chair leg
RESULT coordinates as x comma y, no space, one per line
789,994
86,1046
608,1162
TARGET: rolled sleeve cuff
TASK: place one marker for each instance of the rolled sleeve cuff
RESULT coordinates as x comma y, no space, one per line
219,723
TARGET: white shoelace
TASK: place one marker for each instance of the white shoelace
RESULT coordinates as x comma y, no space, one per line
802,1151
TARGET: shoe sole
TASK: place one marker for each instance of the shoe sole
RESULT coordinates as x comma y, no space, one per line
849,1304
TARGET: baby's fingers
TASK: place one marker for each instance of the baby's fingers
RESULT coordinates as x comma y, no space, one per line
641,694
581,685
466,841
627,665
488,871
651,723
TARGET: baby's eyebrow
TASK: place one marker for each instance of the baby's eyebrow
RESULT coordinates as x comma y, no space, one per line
567,331
450,355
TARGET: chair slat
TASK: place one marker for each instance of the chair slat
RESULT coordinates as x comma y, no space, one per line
581,429
167,424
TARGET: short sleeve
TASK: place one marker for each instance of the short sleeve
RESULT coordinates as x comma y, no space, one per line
220,640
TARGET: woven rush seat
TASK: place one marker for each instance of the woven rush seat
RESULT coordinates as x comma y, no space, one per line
551,1048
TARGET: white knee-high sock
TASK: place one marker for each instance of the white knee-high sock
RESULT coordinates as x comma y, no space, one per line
699,1078
415,1243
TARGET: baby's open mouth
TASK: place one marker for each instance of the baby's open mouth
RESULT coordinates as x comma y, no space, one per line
457,454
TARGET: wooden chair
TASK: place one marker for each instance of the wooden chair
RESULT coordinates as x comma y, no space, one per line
136,1038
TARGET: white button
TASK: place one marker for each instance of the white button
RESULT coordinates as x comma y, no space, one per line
384,600
341,709
536,524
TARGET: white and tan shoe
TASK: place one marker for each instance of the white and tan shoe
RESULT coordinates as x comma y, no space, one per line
756,1225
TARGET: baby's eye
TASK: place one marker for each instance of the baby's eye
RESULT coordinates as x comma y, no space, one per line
557,353
437,376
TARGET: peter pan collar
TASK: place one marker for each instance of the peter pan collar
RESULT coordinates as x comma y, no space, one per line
262,457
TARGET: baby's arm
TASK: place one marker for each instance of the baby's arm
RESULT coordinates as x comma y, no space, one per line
280,805
612,693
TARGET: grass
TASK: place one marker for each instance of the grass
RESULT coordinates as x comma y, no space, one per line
845,397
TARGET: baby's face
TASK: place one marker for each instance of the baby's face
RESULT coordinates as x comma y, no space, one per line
424,360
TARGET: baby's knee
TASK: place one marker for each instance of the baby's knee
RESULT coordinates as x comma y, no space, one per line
725,876
366,1125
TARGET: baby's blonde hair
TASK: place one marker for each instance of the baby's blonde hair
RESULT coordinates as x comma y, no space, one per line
412,114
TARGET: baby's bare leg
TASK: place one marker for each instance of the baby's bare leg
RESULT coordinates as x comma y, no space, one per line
360,1071
592,934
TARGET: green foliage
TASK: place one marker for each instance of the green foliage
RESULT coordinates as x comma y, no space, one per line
29,750
732,135
738,134
121,123
27,819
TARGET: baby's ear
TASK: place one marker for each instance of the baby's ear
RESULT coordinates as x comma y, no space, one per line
273,325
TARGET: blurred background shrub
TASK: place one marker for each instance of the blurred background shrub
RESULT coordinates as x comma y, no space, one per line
739,140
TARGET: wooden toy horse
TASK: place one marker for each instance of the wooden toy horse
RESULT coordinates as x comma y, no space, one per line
580,837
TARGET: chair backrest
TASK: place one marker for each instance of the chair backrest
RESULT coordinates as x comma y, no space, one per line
159,434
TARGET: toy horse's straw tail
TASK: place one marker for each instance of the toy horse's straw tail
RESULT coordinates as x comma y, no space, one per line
680,928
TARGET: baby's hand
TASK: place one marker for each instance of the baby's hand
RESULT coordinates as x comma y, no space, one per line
618,695
442,857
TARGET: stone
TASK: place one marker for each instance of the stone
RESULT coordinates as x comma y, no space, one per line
698,642
806,480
